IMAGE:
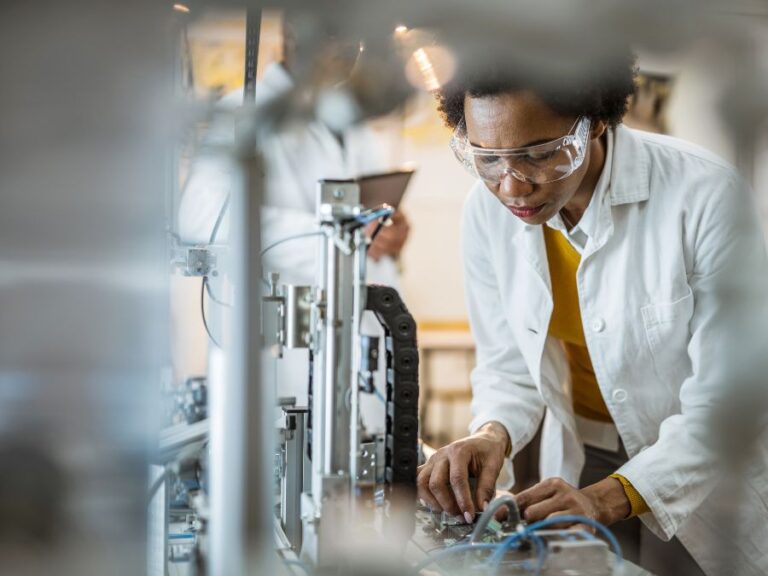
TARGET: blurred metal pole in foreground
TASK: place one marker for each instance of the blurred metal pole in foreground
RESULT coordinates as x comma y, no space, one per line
242,417
241,435
83,280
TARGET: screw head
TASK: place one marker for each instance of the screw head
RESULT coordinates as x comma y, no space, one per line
338,193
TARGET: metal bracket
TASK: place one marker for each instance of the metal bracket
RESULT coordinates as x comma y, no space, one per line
195,261
338,199
369,362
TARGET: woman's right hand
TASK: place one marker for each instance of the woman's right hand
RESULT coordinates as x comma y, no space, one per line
443,482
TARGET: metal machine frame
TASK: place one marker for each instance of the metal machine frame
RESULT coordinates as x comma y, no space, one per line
343,466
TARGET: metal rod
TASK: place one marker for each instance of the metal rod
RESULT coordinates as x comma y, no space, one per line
252,34
330,356
359,292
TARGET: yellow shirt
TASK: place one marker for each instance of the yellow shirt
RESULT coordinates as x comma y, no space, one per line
566,325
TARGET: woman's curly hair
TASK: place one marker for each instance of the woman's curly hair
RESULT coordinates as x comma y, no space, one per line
600,93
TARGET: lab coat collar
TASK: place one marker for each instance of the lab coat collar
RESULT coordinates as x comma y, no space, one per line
588,224
629,182
630,168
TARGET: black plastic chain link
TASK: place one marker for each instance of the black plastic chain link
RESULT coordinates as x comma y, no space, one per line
402,414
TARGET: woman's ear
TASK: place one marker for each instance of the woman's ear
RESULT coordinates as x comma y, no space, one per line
598,129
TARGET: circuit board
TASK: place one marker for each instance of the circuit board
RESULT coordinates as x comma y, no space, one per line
559,553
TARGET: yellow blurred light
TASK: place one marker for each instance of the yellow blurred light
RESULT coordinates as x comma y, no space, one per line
430,67
181,8
427,69
400,30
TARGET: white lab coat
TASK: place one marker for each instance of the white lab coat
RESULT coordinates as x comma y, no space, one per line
650,304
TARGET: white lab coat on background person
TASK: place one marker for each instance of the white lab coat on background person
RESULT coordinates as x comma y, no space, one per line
294,159
666,213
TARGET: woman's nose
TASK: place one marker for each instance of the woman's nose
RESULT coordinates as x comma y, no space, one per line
512,188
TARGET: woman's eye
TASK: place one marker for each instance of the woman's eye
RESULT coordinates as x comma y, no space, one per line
539,156
486,160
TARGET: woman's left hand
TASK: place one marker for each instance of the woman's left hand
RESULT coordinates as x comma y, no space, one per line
604,501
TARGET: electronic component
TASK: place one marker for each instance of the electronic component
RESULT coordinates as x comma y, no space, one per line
187,403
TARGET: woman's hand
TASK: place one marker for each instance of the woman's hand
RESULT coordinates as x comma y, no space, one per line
604,501
443,482
391,238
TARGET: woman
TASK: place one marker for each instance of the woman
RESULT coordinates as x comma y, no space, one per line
597,260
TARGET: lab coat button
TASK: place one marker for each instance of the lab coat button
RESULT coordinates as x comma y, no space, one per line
598,325
619,395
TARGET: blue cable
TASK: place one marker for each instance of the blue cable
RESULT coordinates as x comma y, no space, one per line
514,539
453,550
581,520
501,548
541,552
379,395
528,532
368,217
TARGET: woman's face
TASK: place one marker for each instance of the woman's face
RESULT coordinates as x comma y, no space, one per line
515,120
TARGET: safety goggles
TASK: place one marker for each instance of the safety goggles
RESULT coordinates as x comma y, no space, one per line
539,164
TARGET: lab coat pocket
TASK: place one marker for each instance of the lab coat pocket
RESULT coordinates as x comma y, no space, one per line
667,331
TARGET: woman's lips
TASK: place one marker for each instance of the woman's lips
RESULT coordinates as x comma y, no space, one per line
525,211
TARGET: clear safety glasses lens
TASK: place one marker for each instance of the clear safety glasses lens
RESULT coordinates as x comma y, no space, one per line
539,164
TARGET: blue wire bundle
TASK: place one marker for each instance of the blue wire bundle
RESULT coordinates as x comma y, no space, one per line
526,533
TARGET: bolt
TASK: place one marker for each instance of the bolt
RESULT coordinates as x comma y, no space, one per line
338,193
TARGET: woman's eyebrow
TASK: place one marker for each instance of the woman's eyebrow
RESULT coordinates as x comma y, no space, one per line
527,145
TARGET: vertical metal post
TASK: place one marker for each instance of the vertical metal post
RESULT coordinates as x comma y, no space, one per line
241,510
325,511
241,441
359,291
293,478
338,200
328,388
338,359
259,401
241,445
252,35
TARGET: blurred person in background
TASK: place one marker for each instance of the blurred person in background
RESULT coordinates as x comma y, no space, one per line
595,259
296,157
